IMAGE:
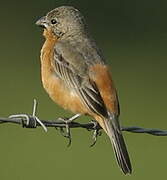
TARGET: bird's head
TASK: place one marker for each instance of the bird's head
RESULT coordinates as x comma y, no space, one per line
64,20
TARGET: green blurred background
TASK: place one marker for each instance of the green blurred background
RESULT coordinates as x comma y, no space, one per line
133,37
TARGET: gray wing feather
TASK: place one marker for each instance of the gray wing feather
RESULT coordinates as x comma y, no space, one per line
70,67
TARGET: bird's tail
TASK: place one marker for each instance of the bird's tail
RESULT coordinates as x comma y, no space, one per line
112,128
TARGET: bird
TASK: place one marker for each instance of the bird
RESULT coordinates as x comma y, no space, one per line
76,76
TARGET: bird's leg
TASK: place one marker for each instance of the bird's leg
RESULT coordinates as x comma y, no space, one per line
96,132
30,121
67,122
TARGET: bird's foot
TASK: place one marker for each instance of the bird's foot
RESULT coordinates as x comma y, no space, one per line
96,132
30,121
67,132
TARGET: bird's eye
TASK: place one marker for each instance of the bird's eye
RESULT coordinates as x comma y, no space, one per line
53,21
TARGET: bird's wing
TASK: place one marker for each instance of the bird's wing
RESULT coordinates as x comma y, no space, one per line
70,67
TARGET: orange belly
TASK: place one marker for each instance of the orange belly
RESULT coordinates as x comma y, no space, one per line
62,95
54,86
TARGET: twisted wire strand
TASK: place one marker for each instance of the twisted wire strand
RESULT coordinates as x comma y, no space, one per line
89,126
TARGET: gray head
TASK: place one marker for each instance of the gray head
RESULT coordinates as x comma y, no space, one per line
63,20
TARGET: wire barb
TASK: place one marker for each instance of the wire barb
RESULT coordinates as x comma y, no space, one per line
29,121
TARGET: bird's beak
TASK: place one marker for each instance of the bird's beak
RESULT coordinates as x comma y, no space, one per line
42,22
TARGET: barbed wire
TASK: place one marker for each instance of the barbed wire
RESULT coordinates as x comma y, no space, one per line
32,121
89,126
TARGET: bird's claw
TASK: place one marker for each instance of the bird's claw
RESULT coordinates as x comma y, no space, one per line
96,133
67,122
67,132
